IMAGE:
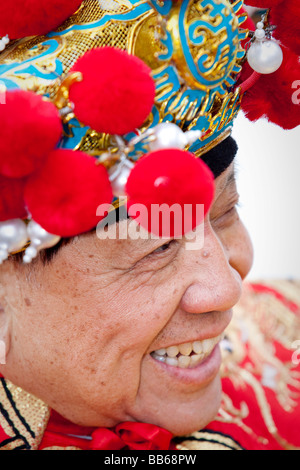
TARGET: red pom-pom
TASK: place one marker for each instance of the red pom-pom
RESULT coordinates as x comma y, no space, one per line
263,3
286,16
29,129
21,18
12,205
170,177
117,92
63,196
272,95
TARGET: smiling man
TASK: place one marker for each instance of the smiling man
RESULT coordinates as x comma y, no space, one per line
106,309
148,342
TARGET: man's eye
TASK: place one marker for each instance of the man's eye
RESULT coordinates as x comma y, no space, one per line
163,248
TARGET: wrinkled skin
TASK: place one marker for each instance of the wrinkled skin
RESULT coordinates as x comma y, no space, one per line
79,330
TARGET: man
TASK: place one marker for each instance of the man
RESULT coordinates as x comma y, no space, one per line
112,342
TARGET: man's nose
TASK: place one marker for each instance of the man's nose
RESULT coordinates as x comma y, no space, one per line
215,285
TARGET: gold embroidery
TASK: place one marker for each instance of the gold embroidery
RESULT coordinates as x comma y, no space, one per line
62,448
205,440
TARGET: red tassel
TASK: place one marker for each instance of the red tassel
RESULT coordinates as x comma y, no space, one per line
21,18
117,92
170,177
286,16
64,195
271,96
29,129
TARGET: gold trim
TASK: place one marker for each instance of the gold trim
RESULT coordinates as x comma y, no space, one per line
203,150
24,418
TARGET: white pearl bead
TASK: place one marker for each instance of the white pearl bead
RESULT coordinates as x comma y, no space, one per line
260,25
260,34
13,235
2,46
30,253
40,238
169,135
265,56
192,136
119,175
6,40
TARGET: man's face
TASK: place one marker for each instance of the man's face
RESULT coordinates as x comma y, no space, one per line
87,332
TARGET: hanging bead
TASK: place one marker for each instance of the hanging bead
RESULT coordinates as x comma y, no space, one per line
265,55
13,237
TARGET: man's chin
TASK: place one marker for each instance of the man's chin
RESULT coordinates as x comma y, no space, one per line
193,415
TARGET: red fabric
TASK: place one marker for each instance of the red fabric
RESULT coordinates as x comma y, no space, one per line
286,16
21,18
256,433
271,95
117,92
263,3
262,288
126,436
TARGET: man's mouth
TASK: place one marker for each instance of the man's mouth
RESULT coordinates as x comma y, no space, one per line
187,355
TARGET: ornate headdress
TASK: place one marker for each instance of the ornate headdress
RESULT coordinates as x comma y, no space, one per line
118,101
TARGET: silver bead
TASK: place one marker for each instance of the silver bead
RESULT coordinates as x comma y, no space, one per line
265,56
119,175
13,237
169,135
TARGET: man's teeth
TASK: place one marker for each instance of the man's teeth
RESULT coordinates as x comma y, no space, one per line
187,355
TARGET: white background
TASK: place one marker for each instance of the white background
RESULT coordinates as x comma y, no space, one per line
268,175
